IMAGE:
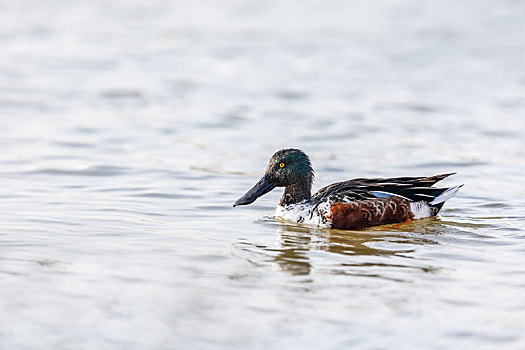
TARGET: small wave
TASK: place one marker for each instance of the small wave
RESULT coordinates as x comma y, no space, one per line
91,171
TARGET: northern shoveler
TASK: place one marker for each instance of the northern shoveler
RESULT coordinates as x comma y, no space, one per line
352,204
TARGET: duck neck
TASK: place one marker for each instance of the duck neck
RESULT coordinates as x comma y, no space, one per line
296,193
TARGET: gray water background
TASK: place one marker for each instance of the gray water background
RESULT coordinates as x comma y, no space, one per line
127,130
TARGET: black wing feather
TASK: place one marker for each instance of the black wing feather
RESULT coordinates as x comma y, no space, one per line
413,188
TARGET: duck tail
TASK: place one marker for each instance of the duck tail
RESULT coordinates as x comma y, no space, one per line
445,195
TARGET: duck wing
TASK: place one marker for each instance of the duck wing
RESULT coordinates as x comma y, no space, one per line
412,188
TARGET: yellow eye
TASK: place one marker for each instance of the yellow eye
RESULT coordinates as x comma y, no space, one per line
281,165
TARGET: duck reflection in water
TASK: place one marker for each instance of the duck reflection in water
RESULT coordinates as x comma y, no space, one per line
386,252
368,249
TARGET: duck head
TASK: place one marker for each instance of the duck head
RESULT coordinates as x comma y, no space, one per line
289,168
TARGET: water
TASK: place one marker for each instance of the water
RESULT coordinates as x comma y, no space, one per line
129,128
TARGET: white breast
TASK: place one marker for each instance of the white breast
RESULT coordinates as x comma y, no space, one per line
304,213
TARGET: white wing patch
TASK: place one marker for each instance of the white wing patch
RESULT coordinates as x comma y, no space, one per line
420,209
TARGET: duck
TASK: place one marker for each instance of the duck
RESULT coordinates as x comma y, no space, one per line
349,205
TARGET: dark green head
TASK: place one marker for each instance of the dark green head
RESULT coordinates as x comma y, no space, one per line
290,168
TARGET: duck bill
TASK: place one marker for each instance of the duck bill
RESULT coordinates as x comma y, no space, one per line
262,187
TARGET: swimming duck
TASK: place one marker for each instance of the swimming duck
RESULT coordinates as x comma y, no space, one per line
353,204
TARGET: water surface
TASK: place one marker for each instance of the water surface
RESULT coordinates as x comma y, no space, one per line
128,129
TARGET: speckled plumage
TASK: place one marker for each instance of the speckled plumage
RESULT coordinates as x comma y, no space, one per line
352,204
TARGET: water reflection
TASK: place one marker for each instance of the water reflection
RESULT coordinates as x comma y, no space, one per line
379,252
296,242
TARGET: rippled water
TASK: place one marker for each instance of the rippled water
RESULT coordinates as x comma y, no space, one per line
129,128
